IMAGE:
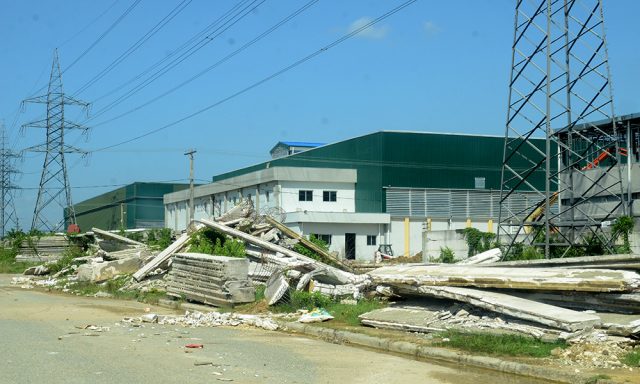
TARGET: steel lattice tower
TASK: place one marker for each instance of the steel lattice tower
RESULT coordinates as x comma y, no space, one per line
54,184
8,215
561,140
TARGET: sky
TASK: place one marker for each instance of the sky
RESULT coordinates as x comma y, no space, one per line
437,66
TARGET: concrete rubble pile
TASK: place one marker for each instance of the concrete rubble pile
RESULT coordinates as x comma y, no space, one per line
42,249
209,319
551,295
270,260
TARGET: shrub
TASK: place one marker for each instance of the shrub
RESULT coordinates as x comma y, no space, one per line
447,255
211,242
477,241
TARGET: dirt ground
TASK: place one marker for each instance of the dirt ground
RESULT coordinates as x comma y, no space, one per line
45,339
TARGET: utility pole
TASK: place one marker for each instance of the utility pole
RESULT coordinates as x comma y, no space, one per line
7,170
192,210
54,182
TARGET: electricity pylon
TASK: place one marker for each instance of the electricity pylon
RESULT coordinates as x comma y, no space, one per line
561,139
8,215
54,185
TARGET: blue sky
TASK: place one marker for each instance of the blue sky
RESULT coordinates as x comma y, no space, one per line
433,66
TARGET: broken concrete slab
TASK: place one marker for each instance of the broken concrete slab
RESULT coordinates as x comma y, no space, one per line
107,270
623,261
490,256
277,287
602,302
116,237
215,280
517,307
38,270
551,279
620,325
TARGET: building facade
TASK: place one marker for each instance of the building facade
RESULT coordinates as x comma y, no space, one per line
382,188
137,205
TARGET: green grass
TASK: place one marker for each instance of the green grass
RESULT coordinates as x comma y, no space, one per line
343,313
632,358
8,262
594,379
504,345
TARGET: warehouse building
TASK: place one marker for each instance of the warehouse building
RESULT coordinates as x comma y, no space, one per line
137,205
381,188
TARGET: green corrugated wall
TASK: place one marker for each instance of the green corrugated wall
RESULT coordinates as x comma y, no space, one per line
406,159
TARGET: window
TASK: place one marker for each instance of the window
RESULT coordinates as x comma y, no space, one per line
329,196
266,193
371,239
304,195
325,238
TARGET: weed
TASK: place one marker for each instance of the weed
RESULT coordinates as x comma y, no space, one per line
8,263
66,260
349,313
212,242
507,345
632,358
159,238
260,292
447,255
301,249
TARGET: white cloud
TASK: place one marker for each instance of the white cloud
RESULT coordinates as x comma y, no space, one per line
372,32
431,28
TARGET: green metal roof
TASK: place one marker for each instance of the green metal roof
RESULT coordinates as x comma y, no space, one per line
404,159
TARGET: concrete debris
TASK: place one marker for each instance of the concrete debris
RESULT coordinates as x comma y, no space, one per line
516,307
490,256
38,270
117,237
557,279
212,319
277,287
624,261
34,249
163,256
215,280
240,211
97,272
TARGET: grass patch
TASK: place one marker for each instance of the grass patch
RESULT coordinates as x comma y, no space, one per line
8,262
504,345
343,313
594,379
632,358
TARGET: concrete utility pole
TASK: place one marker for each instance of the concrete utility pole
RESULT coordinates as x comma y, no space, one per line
190,153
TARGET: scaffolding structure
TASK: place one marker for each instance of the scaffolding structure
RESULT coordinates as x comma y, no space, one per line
561,137
54,188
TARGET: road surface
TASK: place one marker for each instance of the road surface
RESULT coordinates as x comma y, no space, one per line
42,342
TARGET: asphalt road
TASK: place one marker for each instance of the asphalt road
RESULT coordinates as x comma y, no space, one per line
41,341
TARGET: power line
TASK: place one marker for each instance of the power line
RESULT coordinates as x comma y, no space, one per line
155,29
177,61
218,63
266,79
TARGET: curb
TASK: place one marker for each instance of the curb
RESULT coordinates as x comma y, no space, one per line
425,352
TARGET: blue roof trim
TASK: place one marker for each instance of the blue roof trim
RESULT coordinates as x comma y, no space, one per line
300,144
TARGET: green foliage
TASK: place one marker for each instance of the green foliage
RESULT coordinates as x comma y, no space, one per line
446,256
301,249
260,292
159,238
8,262
505,345
211,242
632,358
344,313
114,287
623,227
594,246
66,260
135,236
477,241
596,378
531,253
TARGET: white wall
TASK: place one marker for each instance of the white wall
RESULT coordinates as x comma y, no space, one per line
364,252
345,197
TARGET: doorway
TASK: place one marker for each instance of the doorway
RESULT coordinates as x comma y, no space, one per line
350,246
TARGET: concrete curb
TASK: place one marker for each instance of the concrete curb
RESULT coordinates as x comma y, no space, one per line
419,351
